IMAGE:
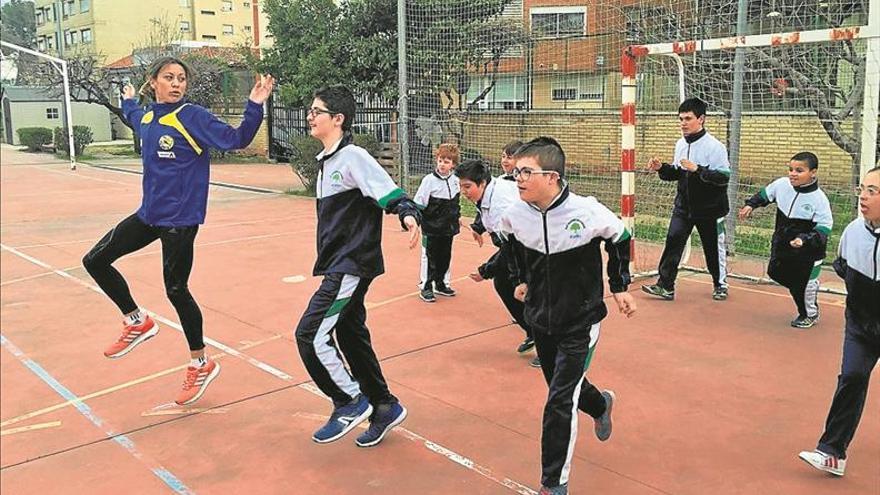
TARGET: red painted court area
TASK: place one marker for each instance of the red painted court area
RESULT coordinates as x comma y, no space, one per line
712,397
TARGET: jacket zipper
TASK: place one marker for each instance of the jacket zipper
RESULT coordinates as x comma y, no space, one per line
791,208
876,244
547,268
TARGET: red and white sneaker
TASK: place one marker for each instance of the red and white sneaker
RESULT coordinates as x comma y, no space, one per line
196,382
132,335
824,462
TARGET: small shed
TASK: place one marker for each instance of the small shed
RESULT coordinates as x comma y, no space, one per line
34,106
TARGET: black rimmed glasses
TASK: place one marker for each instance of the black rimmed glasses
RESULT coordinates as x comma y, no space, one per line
314,112
526,173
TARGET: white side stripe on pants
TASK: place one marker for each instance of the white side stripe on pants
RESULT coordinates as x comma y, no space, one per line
326,353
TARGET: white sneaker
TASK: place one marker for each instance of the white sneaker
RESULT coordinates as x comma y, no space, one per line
824,462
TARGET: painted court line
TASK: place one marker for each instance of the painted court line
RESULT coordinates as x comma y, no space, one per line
432,446
126,443
38,426
453,456
379,304
122,386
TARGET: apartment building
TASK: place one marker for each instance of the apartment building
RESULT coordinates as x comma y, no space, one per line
112,28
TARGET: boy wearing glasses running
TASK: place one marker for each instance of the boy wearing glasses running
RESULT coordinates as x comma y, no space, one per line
803,224
554,237
352,192
858,262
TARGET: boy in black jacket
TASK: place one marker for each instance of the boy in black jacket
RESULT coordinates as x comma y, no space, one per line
701,168
554,236
438,196
858,263
803,224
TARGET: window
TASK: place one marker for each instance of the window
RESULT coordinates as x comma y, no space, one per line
41,44
85,5
509,93
51,113
228,29
578,87
86,35
208,37
184,3
39,17
184,26
208,12
67,41
73,37
67,8
226,6
246,29
246,4
555,22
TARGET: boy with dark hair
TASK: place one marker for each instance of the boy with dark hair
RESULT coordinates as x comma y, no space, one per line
858,263
803,224
701,168
438,196
493,197
554,236
352,192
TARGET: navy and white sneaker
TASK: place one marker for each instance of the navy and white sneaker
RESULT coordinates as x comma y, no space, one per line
344,419
381,423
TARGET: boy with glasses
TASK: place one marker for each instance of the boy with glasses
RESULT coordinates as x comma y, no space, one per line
554,237
803,224
352,192
858,263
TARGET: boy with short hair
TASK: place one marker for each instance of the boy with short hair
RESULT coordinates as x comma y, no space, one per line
438,196
858,263
701,168
803,224
554,236
493,197
352,192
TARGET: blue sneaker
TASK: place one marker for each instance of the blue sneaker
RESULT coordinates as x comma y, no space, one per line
381,424
344,419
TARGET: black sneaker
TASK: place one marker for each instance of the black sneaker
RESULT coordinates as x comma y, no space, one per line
719,294
427,295
535,363
444,290
804,321
656,290
526,345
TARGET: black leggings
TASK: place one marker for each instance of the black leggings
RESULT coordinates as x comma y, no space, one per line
133,234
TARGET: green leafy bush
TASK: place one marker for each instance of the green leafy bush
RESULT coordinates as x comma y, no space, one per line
82,137
34,137
304,149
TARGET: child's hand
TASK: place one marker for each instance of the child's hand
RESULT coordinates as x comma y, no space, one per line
625,303
413,228
745,212
519,293
688,165
797,242
476,277
478,238
654,164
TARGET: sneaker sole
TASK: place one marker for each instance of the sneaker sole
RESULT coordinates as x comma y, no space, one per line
610,407
444,295
520,350
204,386
385,432
356,421
820,467
665,298
149,334
427,300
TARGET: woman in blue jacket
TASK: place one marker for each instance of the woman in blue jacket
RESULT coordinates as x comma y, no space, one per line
175,137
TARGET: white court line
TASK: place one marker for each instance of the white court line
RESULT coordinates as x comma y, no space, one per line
430,445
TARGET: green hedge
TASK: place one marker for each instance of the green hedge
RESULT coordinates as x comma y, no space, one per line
303,163
82,137
34,137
